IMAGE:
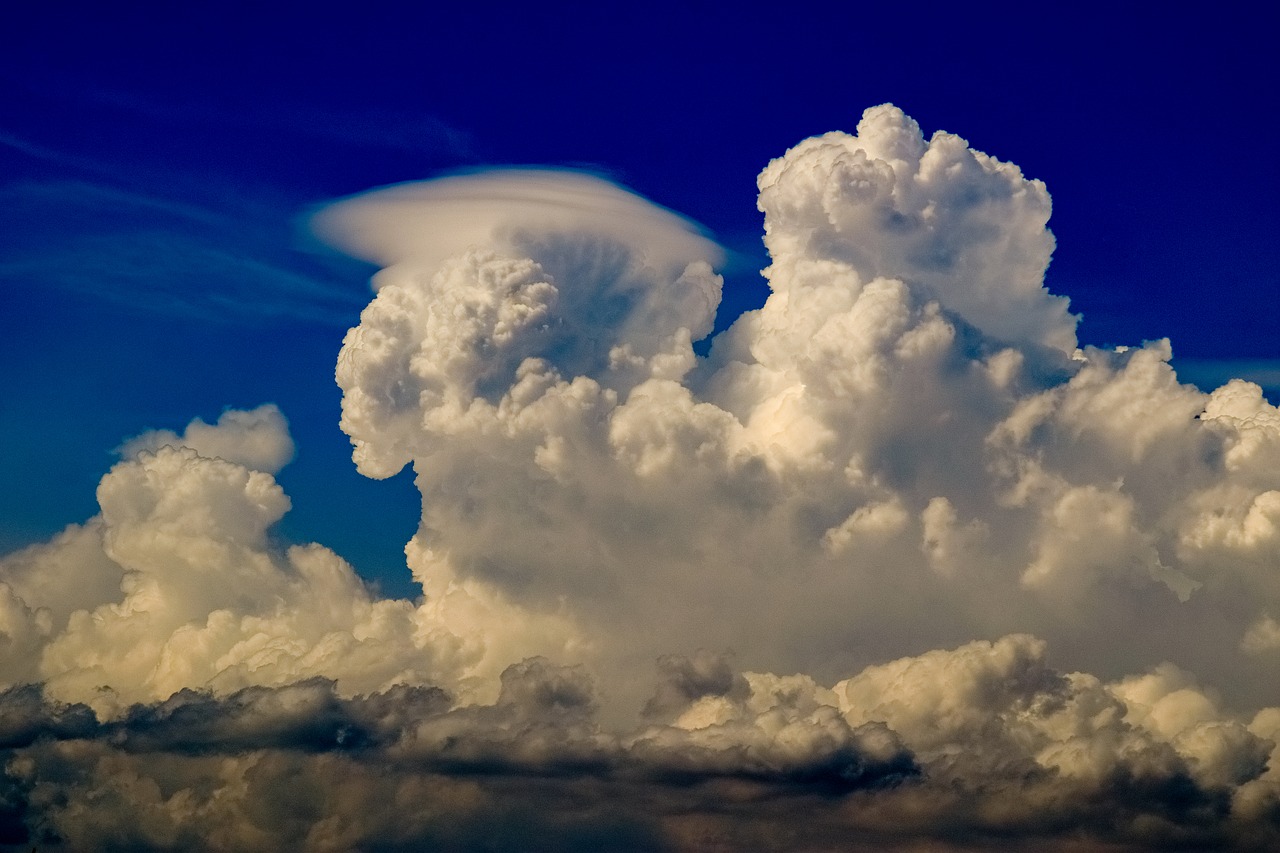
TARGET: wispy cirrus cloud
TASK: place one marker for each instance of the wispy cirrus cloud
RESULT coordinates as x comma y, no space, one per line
175,236
160,255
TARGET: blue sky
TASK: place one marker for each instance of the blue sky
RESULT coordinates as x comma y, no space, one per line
156,164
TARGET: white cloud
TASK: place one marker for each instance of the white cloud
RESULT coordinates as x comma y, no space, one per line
906,422
965,228
257,439
426,224
176,584
1066,556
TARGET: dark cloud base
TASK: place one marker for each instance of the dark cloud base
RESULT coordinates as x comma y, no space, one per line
299,767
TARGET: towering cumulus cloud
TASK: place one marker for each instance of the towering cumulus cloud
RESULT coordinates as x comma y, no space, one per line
898,565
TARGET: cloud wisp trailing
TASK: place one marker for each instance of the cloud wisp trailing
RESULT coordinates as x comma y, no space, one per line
86,231
896,564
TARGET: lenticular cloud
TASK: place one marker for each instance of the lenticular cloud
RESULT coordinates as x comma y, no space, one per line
897,563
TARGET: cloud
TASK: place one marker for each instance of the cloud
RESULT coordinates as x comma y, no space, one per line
836,460
257,439
160,254
1007,748
177,584
981,586
963,227
429,222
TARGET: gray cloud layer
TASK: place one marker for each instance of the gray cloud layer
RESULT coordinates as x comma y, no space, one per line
1024,591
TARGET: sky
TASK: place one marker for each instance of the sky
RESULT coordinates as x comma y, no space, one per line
637,428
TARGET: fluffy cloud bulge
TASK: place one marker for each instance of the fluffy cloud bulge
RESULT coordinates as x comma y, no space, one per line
896,565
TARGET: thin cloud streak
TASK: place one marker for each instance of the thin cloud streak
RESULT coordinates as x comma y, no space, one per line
158,255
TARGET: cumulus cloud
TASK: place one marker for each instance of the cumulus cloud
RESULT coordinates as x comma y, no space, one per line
258,439
981,585
903,434
178,584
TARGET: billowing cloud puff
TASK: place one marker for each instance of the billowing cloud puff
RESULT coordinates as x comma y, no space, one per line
981,586
177,584
257,439
903,434
962,227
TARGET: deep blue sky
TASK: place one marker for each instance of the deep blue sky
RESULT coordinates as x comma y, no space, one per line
155,163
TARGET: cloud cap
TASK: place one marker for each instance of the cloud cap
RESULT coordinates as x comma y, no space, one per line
426,222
